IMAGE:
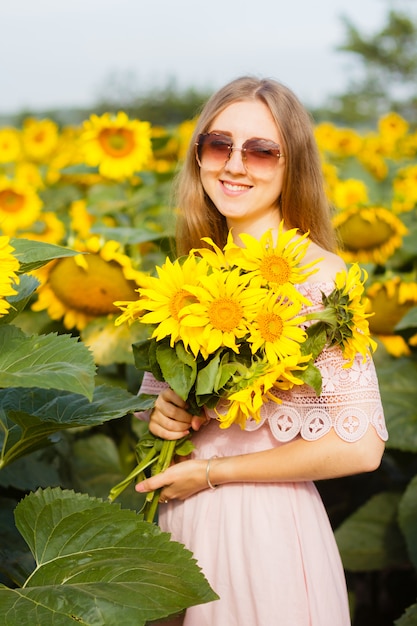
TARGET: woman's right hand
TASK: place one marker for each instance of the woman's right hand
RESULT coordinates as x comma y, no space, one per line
170,418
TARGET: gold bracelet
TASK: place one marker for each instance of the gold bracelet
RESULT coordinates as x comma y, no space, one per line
210,484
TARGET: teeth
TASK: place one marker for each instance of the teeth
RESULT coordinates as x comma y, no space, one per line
235,187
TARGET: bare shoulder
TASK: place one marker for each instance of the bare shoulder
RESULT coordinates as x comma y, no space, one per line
328,263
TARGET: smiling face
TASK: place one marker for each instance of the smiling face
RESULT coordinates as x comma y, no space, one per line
247,199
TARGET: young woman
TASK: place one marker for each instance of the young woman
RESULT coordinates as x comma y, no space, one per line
245,504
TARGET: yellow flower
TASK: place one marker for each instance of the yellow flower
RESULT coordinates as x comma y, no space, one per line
20,205
226,304
347,193
276,328
393,126
39,138
276,266
79,289
117,145
405,189
219,258
344,315
256,387
10,145
390,299
46,228
162,298
9,266
369,234
340,141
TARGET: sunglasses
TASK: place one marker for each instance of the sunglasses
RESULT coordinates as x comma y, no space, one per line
213,150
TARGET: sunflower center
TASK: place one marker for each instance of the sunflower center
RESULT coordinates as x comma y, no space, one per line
275,269
117,142
361,234
10,201
225,314
180,299
270,326
93,290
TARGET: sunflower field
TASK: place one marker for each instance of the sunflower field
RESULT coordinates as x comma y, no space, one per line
85,213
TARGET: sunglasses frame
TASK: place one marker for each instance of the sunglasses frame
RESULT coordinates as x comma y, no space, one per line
199,144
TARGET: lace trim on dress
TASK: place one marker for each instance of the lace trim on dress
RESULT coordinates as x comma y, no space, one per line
350,399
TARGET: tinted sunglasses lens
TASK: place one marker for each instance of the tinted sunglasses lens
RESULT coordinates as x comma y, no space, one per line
261,154
213,149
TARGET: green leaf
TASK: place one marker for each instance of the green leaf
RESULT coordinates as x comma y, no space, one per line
98,564
141,351
25,288
33,254
28,417
206,377
397,382
370,538
97,465
407,518
47,361
179,375
312,377
408,321
409,618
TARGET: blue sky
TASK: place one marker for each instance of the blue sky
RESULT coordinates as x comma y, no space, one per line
57,53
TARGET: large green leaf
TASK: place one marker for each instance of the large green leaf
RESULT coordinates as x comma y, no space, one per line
28,417
370,538
409,618
408,518
48,361
97,564
397,381
33,254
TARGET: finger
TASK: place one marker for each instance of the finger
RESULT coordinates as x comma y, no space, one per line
198,421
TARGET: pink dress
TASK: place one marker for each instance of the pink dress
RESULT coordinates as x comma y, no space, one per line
268,549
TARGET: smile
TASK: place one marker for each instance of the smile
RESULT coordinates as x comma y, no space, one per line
232,187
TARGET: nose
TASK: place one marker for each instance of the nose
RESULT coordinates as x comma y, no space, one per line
235,162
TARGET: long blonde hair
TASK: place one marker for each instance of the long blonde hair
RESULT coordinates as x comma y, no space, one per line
303,203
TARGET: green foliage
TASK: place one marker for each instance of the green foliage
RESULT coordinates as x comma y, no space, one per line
388,61
97,564
370,539
94,562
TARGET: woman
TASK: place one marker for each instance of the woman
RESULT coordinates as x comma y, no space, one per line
245,503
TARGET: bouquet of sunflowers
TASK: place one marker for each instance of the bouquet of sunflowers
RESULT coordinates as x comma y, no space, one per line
231,325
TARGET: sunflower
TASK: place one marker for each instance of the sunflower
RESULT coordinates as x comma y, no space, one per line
340,141
372,156
405,189
392,127
9,266
369,234
20,205
276,328
117,145
10,145
276,266
39,139
347,193
227,302
163,297
256,387
345,315
81,288
390,299
47,228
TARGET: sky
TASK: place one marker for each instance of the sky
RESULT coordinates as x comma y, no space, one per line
67,53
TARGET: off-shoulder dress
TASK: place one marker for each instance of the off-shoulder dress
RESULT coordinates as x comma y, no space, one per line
268,549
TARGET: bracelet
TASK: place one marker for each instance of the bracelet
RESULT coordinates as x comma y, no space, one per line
210,484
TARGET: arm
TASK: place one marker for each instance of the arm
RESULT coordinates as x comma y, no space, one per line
298,460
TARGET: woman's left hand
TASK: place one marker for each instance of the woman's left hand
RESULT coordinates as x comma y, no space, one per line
178,482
